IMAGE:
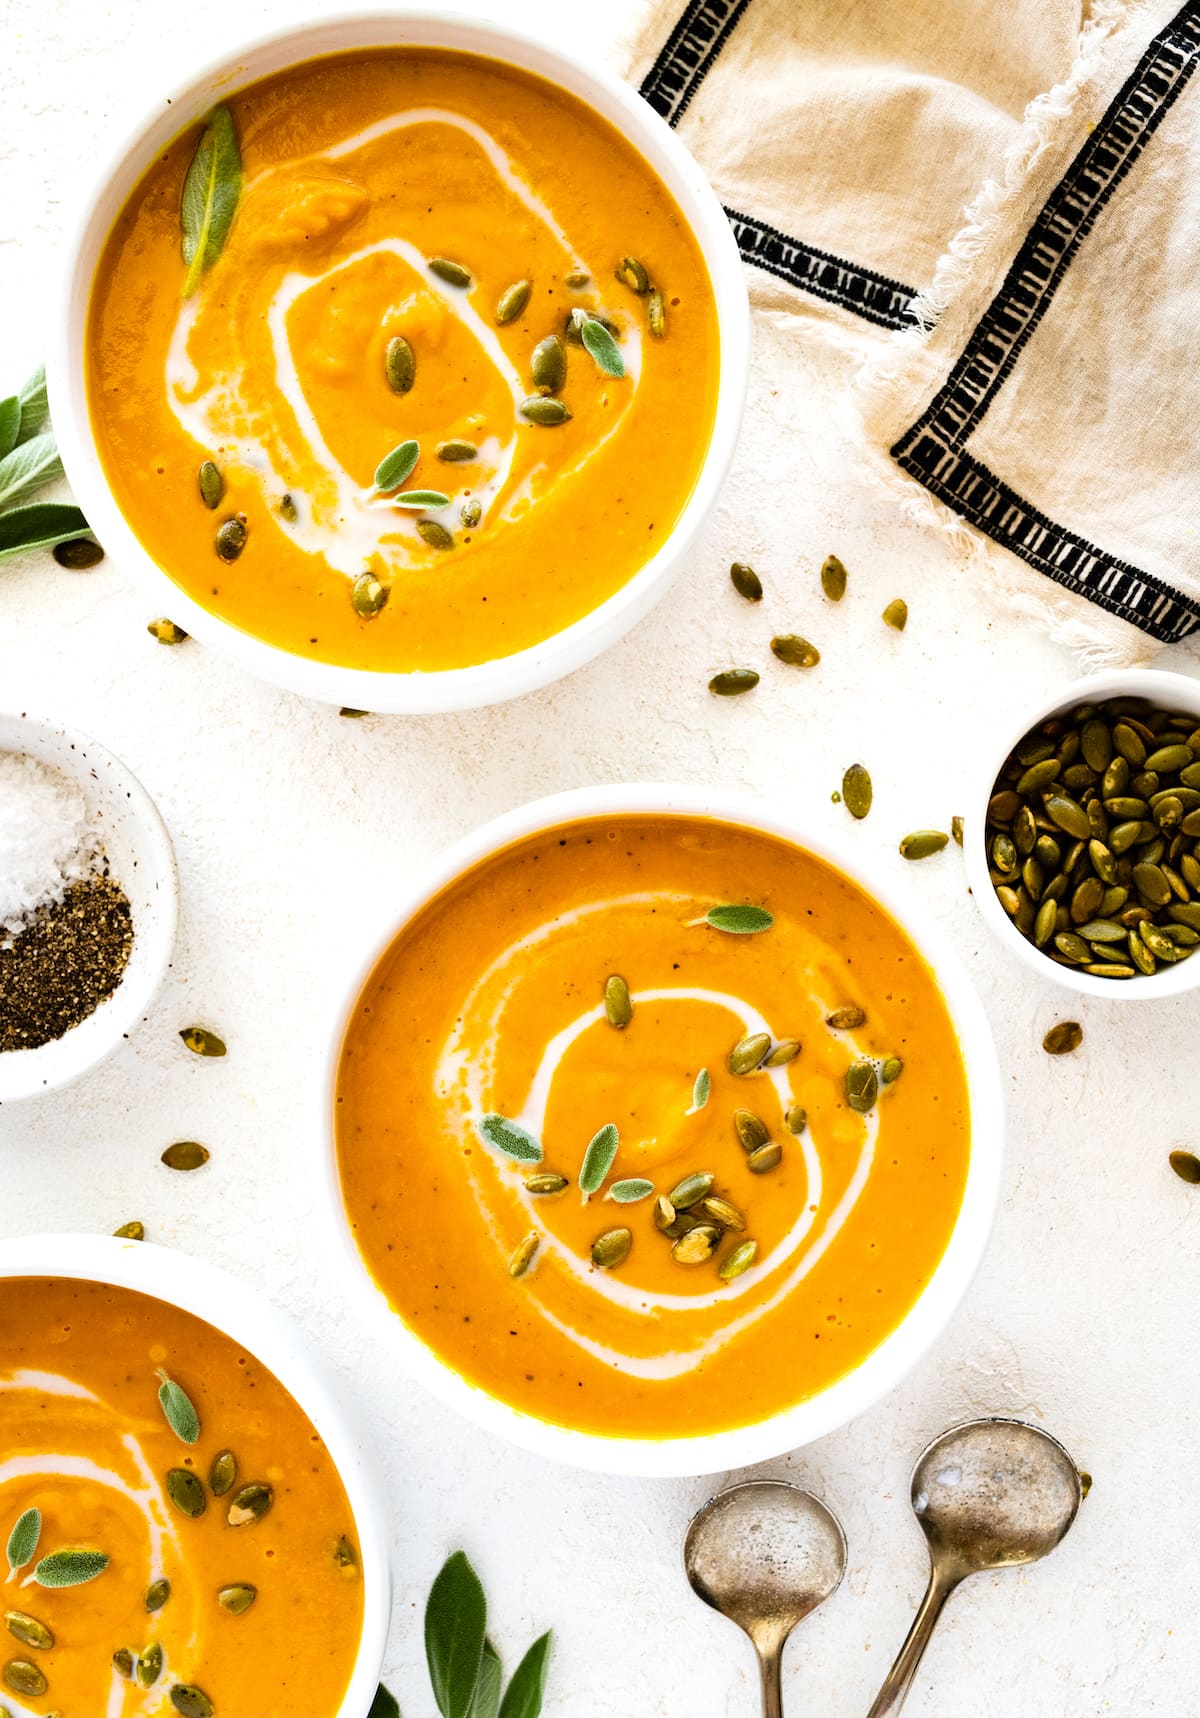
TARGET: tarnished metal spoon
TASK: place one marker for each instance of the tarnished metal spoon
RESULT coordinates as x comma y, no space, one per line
765,1554
990,1494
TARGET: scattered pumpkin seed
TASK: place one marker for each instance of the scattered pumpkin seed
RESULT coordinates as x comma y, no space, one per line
797,652
212,485
512,301
471,513
631,273
251,1503
1186,1165
611,1248
747,1054
767,1157
24,1678
185,1154
895,614
157,1594
1062,1039
28,1630
721,1211
576,278
122,1663
656,315
238,1598
833,578
923,843
846,1019
618,1009
691,1190
399,365
288,511
738,1260
795,1118
857,791
231,538
547,412
133,1231
456,450
664,1213
956,830
751,1130
368,595
186,1491
732,681
201,1042
190,1701
522,1256
697,1246
453,273
780,1054
222,1473
434,534
149,1665
745,581
78,554
862,1086
166,632
545,1182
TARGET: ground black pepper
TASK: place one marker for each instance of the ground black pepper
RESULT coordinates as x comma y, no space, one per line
64,964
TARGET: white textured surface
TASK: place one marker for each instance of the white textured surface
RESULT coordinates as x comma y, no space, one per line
296,829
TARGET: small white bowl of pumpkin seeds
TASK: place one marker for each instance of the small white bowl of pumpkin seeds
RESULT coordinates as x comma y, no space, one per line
1083,848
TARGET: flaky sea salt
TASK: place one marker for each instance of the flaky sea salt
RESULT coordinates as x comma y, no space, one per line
46,844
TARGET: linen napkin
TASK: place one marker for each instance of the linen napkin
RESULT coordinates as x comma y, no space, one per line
992,208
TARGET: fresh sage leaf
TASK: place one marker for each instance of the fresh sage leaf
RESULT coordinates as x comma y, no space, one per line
700,1091
385,1704
524,1694
38,526
30,466
35,406
396,466
10,424
210,196
176,1404
420,498
486,1703
70,1568
23,1540
598,1160
455,1627
510,1138
739,921
600,345
629,1192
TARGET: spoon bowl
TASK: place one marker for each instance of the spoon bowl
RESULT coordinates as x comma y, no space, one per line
765,1554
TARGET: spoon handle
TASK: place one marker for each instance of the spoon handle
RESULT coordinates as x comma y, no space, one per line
898,1681
770,1661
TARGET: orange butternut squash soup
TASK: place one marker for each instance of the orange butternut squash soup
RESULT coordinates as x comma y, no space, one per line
652,1127
450,373
181,1541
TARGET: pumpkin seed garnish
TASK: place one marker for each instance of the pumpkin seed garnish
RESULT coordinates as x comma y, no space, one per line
231,538
133,1231
745,581
453,273
222,1473
701,1088
456,450
891,1070
78,554
212,485
185,1154
739,1259
600,345
956,831
201,1042
510,1138
122,1662
782,1053
631,273
540,409
751,1130
176,1405
691,1190
28,1630
923,843
857,791
797,652
434,534
249,1504
399,365
545,1183
1063,1038
631,1191
24,1678
895,614
70,1568
766,1158
522,1256
149,1666
697,1246
732,681
471,513
747,1054
618,1009
1186,1165
548,366
795,1118
846,1019
394,467
598,1160
611,1248
237,1598
190,1701
739,920
166,632
721,1211
656,315
368,595
862,1086
664,1214
186,1491
512,301
833,578
576,278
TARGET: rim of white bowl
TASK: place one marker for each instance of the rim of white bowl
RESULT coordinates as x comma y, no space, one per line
415,693
251,1320
888,1364
29,1073
1159,686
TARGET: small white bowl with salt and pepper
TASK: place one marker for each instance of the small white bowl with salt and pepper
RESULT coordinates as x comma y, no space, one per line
88,904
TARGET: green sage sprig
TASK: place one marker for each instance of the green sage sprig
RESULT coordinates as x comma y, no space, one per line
210,196
70,1568
464,1667
178,1409
23,1540
28,461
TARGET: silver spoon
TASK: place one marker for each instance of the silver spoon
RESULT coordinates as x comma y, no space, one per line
990,1494
765,1554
